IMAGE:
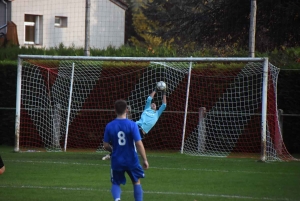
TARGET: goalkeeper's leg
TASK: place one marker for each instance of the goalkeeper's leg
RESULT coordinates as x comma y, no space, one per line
106,157
128,112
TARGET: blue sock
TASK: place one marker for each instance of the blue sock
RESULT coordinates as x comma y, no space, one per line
138,192
116,191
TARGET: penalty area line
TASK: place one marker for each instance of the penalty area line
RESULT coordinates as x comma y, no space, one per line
147,192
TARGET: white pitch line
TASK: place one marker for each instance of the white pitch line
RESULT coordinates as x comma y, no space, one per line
54,162
149,192
228,171
161,168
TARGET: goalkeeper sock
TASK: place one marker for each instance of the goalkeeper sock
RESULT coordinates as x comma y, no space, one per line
138,192
116,192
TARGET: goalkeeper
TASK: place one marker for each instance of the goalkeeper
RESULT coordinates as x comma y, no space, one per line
2,167
149,116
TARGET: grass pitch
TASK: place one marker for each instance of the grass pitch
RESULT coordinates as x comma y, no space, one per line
76,176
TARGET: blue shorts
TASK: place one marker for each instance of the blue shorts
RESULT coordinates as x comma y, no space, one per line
118,176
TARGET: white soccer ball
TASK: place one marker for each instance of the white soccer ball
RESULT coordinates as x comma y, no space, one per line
161,85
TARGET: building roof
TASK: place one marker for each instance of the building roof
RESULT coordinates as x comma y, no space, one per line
121,3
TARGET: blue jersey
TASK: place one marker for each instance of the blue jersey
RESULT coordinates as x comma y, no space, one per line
122,135
149,117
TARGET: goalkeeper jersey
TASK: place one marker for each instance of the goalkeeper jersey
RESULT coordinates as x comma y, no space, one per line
149,117
122,135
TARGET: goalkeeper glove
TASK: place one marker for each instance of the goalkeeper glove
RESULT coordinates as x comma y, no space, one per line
164,92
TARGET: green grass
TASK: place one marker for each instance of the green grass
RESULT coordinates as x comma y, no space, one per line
73,176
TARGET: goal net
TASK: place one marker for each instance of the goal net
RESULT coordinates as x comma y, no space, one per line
224,107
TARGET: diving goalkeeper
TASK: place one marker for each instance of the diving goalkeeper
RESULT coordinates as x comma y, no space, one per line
149,116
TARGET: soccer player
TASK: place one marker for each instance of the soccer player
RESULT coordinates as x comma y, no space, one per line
2,167
123,134
149,116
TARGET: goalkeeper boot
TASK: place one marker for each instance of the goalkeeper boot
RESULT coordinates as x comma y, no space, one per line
107,157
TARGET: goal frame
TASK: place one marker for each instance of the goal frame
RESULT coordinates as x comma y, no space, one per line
263,60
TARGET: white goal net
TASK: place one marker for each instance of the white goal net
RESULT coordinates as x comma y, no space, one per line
224,107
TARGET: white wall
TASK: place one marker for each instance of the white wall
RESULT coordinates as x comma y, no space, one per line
107,22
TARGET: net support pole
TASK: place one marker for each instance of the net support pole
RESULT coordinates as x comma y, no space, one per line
87,28
69,107
56,126
264,111
252,29
18,106
201,130
186,105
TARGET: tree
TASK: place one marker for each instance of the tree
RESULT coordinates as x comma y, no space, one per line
225,22
141,29
278,24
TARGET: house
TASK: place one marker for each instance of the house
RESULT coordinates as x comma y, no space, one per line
5,14
44,23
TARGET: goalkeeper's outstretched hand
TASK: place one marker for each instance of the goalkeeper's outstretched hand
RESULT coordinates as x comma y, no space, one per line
164,91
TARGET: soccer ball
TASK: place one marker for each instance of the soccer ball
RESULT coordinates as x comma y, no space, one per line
161,85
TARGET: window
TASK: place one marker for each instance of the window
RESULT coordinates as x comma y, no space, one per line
33,29
61,21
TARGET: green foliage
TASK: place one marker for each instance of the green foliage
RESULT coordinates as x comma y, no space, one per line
285,58
11,53
134,51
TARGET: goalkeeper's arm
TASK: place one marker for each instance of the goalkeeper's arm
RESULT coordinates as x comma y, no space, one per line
164,94
153,93
164,100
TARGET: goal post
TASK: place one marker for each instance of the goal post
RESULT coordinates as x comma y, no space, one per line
64,103
264,110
